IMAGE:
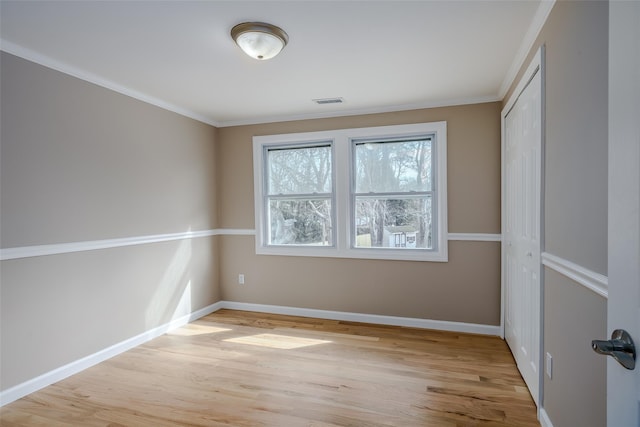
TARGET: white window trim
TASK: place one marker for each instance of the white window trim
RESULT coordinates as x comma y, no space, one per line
342,192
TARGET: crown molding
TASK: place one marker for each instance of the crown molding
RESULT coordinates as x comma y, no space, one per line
81,74
359,111
544,9
46,61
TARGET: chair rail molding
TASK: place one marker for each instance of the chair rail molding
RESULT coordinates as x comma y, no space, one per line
90,245
475,237
593,281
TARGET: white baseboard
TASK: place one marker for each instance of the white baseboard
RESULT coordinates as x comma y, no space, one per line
441,325
58,374
544,418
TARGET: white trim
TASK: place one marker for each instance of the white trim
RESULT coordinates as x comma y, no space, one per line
527,44
235,232
470,237
70,70
89,245
410,322
545,421
475,237
16,392
341,142
591,280
361,111
537,63
62,248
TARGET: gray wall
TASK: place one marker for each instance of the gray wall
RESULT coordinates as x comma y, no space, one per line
575,213
81,163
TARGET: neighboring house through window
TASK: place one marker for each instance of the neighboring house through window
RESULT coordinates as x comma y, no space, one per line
376,192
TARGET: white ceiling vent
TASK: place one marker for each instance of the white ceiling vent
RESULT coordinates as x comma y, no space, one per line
324,101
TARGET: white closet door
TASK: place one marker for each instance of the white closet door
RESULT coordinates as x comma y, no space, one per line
522,267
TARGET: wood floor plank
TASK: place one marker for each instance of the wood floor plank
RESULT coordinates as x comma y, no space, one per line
235,368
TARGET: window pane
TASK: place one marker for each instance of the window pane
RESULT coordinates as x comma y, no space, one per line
394,166
394,223
300,222
301,170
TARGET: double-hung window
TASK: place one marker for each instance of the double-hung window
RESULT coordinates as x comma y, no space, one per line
375,192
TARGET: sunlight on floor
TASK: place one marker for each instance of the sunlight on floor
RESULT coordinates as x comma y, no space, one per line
277,341
192,330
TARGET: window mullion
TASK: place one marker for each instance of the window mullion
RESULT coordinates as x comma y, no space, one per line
391,195
342,191
309,196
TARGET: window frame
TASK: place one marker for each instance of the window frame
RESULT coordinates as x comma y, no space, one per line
343,216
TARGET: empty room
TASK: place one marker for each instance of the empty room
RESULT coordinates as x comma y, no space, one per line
319,213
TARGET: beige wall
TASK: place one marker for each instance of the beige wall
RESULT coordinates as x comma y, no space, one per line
80,163
466,289
575,206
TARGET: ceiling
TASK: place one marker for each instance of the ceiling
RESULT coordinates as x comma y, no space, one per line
377,55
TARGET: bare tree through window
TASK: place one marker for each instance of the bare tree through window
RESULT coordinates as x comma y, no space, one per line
299,187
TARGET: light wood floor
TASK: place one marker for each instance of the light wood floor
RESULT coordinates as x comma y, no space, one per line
236,368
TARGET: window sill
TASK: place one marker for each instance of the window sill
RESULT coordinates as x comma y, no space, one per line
360,253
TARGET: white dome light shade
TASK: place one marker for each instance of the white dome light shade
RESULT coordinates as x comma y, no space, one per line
259,40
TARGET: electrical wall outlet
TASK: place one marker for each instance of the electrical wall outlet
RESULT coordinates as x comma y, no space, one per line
241,279
549,365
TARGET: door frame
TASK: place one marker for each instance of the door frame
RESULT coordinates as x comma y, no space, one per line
623,246
537,64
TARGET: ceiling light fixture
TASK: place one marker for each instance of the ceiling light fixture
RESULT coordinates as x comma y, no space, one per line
259,40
